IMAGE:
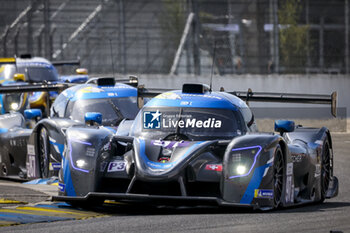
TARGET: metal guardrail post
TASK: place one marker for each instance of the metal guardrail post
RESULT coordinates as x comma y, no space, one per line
276,36
182,42
30,30
53,30
47,28
4,39
122,44
347,36
195,31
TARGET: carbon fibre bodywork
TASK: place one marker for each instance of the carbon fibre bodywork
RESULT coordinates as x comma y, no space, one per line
191,148
13,139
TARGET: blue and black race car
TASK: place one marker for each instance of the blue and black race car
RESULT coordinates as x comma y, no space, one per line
38,151
14,134
196,146
74,107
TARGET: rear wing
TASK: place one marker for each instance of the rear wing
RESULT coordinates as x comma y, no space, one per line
34,88
250,96
7,60
143,92
46,87
66,63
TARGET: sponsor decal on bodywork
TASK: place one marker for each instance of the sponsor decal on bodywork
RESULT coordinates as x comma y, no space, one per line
170,144
107,146
90,151
289,198
318,170
214,167
61,187
55,166
152,120
116,166
31,164
157,120
168,95
263,193
30,149
297,158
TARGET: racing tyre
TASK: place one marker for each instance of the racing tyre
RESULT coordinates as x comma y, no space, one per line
278,177
44,153
325,169
3,169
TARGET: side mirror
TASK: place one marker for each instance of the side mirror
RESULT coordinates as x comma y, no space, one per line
93,118
19,77
81,71
32,114
283,126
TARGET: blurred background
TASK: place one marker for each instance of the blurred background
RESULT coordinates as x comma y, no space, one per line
161,36
267,45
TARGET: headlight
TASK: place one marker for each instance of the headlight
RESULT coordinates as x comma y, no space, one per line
81,154
242,161
13,102
14,106
80,163
241,169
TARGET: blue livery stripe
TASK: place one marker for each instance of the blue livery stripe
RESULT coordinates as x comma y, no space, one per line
68,178
254,184
59,146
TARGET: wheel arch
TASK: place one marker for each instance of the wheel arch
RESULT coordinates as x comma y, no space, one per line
329,139
284,149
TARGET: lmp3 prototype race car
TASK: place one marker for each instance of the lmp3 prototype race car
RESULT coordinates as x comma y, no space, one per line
195,146
36,70
37,152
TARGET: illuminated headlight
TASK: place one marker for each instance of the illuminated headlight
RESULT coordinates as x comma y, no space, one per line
242,161
13,102
241,169
14,106
80,163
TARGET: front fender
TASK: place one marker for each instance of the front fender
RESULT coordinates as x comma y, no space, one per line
247,177
56,128
87,149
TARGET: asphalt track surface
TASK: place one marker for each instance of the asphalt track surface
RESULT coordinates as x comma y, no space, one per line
331,216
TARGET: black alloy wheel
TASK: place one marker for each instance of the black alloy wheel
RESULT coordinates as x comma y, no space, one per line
278,176
325,169
44,153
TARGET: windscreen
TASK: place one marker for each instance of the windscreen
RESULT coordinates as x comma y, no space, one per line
113,110
188,123
33,73
39,73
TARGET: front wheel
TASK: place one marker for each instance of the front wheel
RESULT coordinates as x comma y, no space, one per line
278,176
44,153
325,169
